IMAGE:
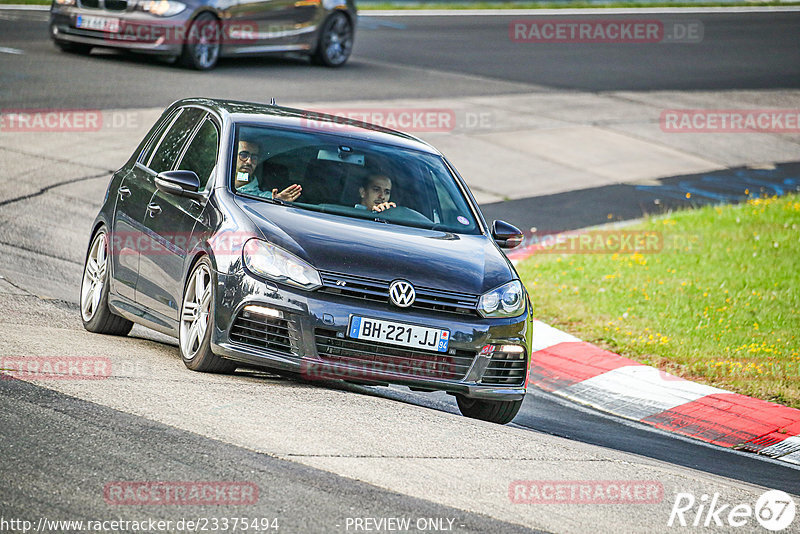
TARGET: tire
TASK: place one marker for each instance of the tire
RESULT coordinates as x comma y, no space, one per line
197,322
500,412
335,41
73,48
95,313
202,46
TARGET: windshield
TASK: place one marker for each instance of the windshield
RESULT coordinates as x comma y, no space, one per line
351,178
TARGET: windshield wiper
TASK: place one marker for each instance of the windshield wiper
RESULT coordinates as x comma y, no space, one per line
264,199
275,201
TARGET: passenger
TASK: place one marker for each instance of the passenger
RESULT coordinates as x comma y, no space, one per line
375,193
246,182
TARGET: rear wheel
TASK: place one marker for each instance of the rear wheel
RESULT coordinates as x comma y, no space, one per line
202,45
500,412
94,292
335,41
197,317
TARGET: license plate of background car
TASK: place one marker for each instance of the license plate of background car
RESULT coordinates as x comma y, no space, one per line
402,334
103,24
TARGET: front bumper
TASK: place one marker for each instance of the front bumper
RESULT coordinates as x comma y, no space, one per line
309,320
138,32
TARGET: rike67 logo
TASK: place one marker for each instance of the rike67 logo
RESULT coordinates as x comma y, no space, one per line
774,510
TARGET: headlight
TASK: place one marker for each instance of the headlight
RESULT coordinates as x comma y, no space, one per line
506,301
162,8
269,261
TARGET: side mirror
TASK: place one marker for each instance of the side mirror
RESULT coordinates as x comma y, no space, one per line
506,235
181,183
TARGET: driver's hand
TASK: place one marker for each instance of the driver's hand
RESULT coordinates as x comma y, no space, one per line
289,194
384,206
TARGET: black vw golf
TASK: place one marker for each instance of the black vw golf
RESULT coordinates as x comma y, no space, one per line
266,236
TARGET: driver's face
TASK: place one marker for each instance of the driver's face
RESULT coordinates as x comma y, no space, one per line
377,191
251,153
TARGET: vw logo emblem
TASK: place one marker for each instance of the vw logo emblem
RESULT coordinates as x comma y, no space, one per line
402,293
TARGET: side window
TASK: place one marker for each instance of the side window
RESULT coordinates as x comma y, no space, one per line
167,152
201,155
155,136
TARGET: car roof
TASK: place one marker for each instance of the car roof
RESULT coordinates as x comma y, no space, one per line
308,120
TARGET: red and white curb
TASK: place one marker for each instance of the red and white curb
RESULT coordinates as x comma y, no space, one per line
584,373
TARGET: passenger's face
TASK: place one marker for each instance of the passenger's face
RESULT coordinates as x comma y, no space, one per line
248,164
377,191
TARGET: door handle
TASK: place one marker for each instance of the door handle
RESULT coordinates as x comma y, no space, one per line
153,209
124,192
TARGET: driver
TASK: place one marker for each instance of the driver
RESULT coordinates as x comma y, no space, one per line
247,157
375,193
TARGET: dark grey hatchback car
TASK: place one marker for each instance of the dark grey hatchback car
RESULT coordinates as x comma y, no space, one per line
266,236
199,32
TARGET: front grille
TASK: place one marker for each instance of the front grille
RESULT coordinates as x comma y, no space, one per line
111,5
261,331
116,5
505,371
378,290
379,358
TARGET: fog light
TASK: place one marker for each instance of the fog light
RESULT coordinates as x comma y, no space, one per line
262,310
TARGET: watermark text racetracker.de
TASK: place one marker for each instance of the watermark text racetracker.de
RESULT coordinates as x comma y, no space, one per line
602,30
238,523
617,241
148,493
200,32
67,120
71,368
126,243
55,367
730,121
334,367
417,120
586,492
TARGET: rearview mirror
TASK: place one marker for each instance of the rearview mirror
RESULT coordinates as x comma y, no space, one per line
181,183
506,235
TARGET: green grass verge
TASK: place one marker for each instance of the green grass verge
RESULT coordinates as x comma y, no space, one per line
719,303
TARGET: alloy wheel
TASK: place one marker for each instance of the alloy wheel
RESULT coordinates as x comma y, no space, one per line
195,311
338,40
94,277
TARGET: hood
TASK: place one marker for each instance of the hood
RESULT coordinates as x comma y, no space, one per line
426,258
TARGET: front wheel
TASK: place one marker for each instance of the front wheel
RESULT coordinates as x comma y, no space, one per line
201,48
96,315
335,41
500,412
197,321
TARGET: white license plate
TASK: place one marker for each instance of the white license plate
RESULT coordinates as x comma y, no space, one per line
103,24
405,335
